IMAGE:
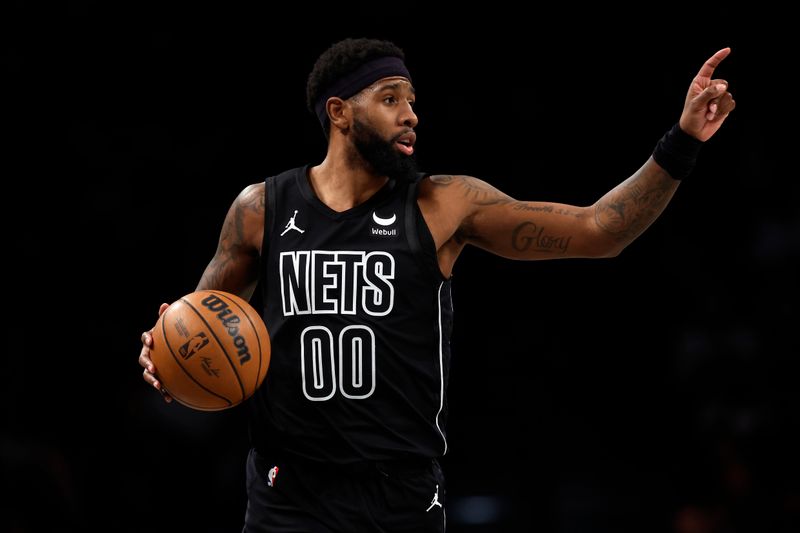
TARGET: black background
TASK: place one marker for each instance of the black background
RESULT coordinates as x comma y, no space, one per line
656,391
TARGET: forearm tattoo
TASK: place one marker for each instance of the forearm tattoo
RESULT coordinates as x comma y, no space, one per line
631,207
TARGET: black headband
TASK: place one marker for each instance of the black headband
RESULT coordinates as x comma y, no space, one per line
354,82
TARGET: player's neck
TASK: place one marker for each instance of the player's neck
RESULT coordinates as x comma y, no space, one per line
341,183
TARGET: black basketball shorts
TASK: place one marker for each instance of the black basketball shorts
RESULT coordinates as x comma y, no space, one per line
305,497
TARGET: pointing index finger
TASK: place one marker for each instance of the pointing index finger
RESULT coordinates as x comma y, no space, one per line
713,62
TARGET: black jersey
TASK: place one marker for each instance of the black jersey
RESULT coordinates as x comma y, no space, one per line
359,317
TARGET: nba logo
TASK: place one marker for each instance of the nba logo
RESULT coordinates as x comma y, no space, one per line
193,345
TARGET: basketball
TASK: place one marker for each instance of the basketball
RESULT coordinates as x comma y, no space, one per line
211,350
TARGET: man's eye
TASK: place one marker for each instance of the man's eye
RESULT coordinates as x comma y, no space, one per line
389,100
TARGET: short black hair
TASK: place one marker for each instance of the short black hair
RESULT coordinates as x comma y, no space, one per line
342,58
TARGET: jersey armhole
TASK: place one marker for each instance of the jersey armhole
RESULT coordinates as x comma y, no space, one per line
419,235
269,223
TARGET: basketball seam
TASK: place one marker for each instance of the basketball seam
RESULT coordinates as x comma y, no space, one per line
222,347
172,352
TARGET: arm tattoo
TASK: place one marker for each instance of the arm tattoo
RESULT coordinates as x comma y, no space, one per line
477,191
215,273
529,235
231,240
558,210
253,200
482,193
442,180
631,207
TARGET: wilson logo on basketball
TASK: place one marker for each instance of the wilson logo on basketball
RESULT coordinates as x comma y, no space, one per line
231,322
193,345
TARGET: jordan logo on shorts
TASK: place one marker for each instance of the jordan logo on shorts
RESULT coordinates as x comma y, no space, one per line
435,500
273,473
291,225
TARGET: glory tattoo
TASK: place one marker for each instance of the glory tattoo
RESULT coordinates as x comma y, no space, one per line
528,235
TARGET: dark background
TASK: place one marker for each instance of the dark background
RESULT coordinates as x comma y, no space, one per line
656,391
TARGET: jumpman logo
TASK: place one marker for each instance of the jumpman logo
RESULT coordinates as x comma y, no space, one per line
290,225
435,500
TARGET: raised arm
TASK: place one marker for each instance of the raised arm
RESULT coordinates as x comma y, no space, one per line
464,210
234,267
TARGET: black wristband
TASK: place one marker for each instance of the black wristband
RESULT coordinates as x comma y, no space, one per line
677,152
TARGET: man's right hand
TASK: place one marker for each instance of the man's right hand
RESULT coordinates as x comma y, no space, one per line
149,373
708,102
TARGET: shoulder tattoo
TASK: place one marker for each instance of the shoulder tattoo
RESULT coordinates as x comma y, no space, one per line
477,191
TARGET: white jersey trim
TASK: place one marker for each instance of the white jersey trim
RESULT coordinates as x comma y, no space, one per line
441,369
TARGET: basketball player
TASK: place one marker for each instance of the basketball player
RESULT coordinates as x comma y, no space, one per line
355,256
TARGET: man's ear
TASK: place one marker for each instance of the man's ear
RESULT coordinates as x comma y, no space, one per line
340,113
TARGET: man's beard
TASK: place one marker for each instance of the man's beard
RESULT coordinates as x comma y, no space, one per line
381,155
